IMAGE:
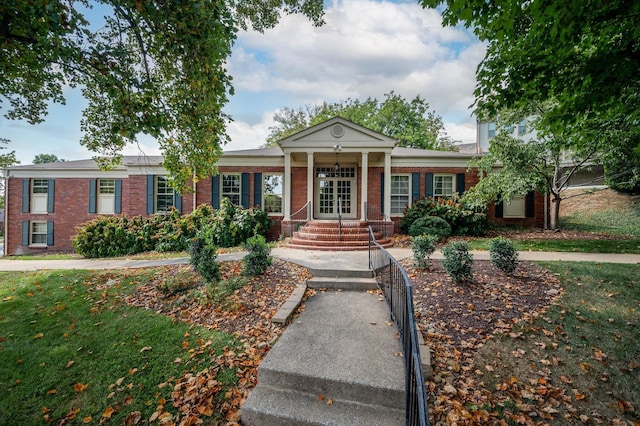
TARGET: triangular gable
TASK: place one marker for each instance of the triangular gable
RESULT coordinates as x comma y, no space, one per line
325,136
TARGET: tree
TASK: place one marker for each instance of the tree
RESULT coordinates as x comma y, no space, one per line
515,166
6,160
412,123
585,56
154,68
46,158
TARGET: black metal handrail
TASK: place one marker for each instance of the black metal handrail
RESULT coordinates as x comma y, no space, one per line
394,282
339,219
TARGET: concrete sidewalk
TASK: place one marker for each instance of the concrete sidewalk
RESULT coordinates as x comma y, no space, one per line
312,259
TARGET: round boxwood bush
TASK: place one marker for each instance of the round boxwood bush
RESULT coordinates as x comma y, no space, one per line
457,261
503,254
430,225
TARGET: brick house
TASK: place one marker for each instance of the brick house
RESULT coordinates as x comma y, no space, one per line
331,170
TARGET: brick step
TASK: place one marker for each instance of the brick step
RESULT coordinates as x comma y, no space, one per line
334,242
332,248
307,235
340,283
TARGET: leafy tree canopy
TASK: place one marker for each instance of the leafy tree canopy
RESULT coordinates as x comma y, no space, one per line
6,160
46,158
412,122
152,67
586,56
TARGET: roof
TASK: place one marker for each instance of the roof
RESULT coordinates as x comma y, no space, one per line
400,151
90,164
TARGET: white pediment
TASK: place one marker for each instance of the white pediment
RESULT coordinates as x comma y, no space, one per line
326,136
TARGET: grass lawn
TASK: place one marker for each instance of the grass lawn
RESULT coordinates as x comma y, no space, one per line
579,363
70,349
631,246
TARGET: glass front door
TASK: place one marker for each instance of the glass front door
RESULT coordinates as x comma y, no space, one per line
334,193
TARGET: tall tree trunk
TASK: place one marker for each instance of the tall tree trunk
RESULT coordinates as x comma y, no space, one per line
555,212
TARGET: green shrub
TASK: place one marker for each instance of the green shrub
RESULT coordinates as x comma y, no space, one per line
109,236
464,218
457,261
423,247
503,255
431,225
203,252
258,259
181,282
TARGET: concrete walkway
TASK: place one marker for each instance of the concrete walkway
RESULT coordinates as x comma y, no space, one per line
313,259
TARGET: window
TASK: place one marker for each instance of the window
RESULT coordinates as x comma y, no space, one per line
522,127
106,196
39,195
231,188
514,209
399,194
272,190
38,234
492,130
443,185
164,195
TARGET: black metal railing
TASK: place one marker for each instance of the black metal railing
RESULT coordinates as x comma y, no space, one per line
376,219
299,219
339,219
394,282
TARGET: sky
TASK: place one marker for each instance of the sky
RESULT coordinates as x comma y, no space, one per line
366,48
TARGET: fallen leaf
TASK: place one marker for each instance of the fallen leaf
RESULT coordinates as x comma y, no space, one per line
38,336
87,420
79,387
108,412
70,364
146,349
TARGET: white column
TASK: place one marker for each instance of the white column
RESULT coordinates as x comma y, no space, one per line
310,174
287,186
365,185
387,184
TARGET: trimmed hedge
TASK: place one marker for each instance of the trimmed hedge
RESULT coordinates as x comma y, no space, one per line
110,236
464,219
431,225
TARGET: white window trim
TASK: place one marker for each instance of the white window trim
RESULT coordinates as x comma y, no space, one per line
453,184
31,233
222,193
39,196
156,194
409,189
109,198
264,194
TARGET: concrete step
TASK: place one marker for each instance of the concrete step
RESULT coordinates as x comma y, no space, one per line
341,273
341,347
341,283
277,407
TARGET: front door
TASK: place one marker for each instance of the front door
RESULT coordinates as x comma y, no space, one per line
335,193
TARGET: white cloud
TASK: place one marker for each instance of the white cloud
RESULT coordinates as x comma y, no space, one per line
247,136
365,49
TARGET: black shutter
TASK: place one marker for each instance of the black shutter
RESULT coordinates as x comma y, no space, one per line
50,195
25,195
415,187
530,205
428,185
92,195
117,208
49,232
244,188
151,207
25,231
257,189
500,209
460,183
215,192
177,198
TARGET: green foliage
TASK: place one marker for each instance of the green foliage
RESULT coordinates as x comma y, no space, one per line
503,255
432,225
464,217
46,158
217,292
411,123
258,259
423,247
203,252
152,68
6,160
110,236
182,282
622,168
457,261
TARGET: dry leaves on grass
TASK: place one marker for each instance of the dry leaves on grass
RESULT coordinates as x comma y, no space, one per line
246,312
